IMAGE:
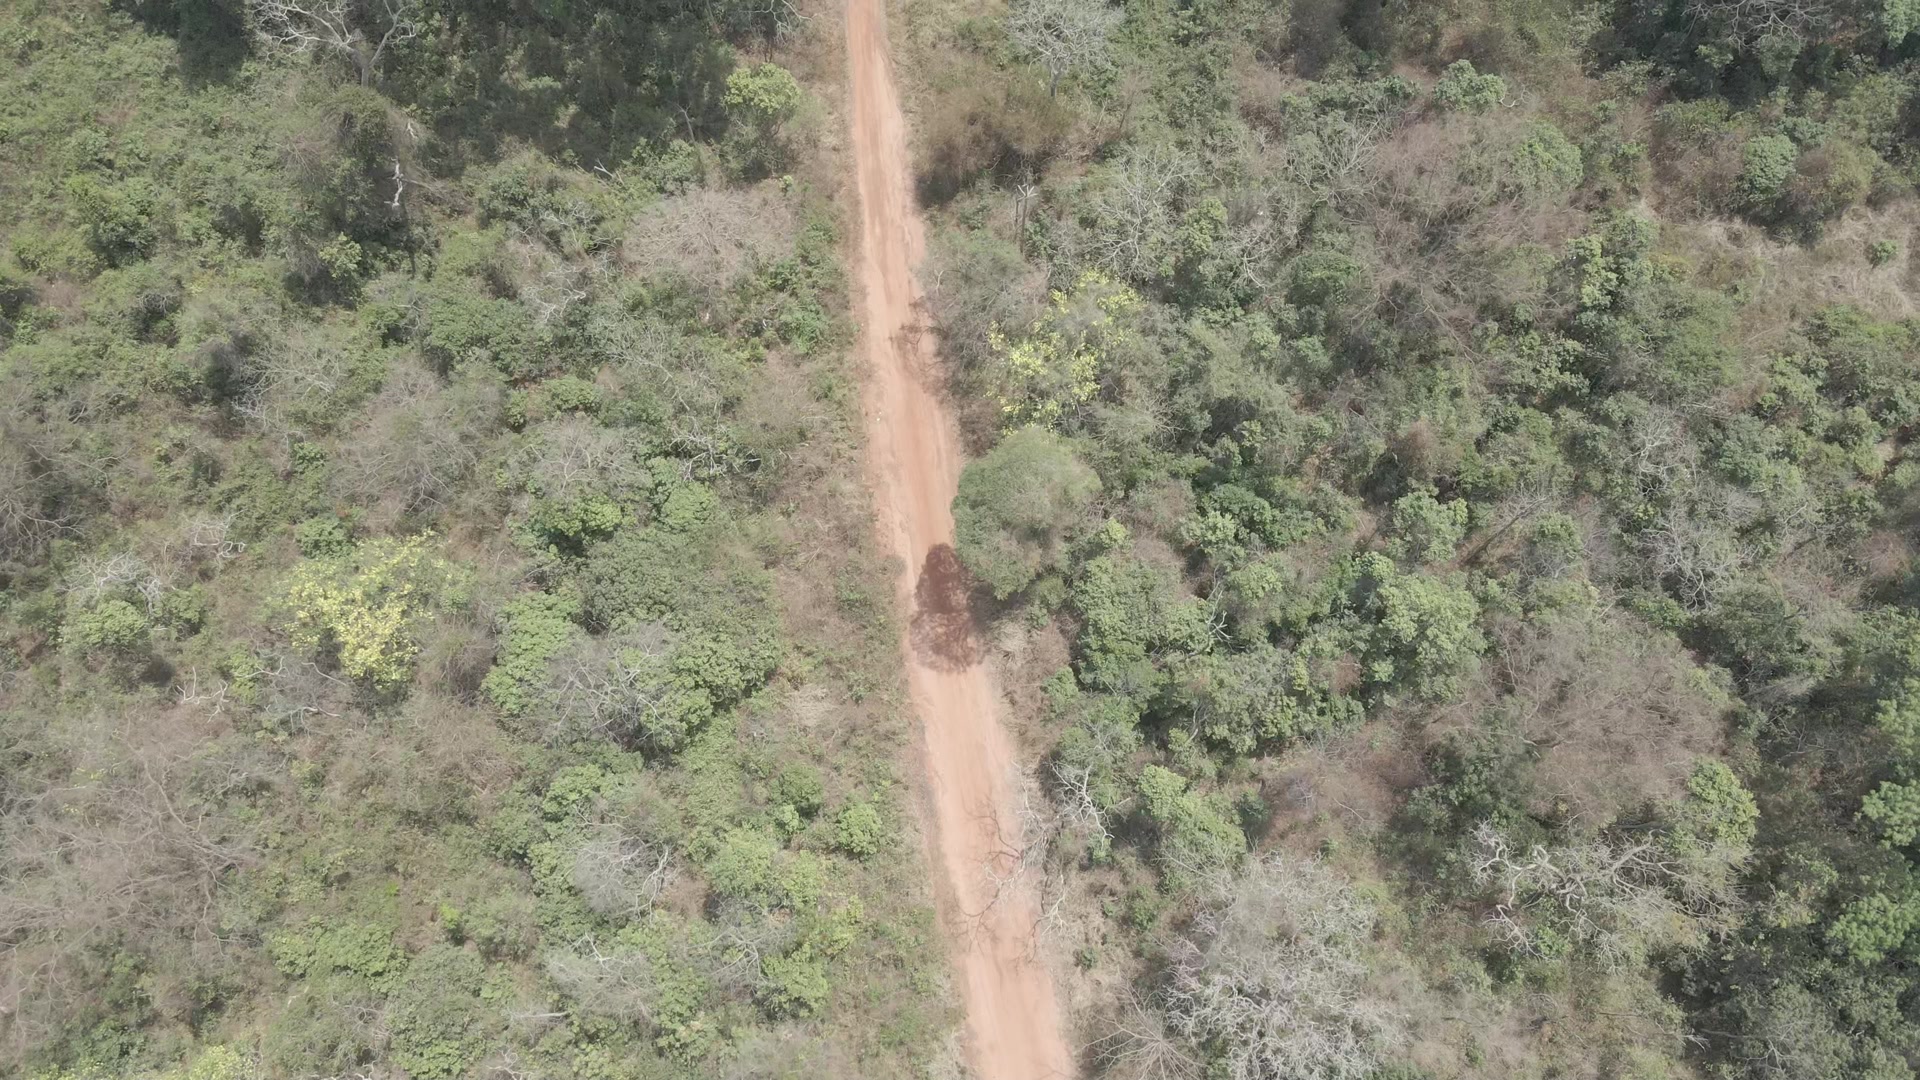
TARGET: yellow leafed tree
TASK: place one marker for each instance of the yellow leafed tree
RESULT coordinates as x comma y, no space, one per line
1053,371
365,605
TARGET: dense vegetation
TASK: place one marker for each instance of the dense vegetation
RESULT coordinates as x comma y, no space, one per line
441,630
1446,502
1443,506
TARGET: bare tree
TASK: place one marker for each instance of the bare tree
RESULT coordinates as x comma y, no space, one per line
1754,19
1063,34
617,981
346,27
1694,552
1613,898
1275,977
28,521
120,833
609,688
97,579
709,237
421,439
572,455
295,387
1133,210
620,875
1138,1046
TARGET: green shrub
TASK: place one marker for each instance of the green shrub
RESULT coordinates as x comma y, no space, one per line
860,830
503,926
1426,530
534,629
742,866
795,984
799,786
1829,180
1196,834
120,218
1462,87
323,537
113,626
1766,166
462,326
1546,164
325,946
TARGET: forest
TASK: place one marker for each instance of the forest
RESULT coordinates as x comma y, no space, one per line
1440,515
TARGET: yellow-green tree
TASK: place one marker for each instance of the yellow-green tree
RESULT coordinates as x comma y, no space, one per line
365,605
1055,369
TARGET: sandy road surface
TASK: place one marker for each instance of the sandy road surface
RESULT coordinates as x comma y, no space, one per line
913,453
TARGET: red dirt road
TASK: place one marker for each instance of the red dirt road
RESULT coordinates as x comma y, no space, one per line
1014,1029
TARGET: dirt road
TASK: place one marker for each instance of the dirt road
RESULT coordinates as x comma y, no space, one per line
913,460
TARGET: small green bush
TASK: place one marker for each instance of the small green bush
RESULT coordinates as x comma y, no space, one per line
1196,834
1546,164
534,629
796,983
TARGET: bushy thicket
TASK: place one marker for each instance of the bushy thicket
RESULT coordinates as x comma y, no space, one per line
407,663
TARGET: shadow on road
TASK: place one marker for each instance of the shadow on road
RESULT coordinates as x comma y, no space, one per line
941,630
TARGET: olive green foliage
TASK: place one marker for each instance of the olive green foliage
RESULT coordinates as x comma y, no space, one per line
1019,506
439,1022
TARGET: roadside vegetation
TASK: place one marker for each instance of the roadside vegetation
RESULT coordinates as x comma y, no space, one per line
440,633
1444,505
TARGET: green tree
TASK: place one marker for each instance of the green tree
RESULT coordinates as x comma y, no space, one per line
1766,167
1424,638
860,830
1426,530
760,101
1017,507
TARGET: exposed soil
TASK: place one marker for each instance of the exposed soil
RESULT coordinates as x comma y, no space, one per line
1014,1029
